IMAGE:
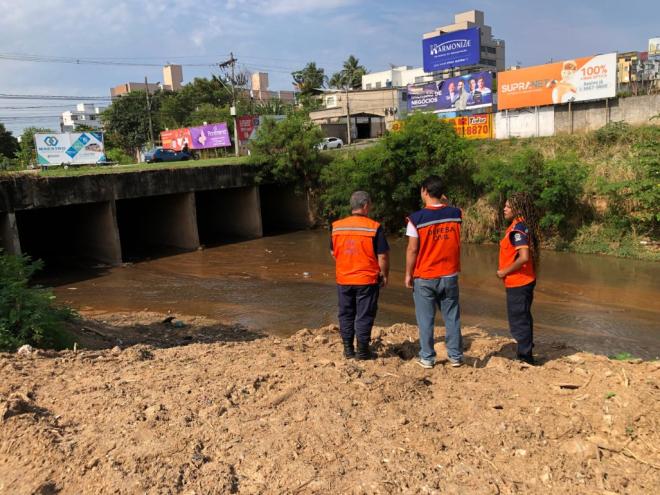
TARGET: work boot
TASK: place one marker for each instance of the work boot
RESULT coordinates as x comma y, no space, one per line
349,350
363,351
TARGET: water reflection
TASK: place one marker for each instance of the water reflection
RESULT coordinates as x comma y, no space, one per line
600,304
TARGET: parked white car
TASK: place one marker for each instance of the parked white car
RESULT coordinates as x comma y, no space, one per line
330,143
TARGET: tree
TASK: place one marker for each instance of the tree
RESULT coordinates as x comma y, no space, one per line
127,120
27,153
393,169
288,151
350,76
8,143
274,106
309,79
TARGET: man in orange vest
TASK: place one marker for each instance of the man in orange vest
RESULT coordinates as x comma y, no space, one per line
433,261
361,254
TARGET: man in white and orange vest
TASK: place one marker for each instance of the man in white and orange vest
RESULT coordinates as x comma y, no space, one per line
433,261
361,253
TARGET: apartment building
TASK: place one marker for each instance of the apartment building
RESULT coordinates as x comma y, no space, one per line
85,114
396,77
172,81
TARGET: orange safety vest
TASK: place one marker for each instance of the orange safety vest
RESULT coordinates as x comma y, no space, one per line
508,254
439,230
353,248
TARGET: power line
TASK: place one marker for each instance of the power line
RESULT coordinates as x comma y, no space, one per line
4,96
84,61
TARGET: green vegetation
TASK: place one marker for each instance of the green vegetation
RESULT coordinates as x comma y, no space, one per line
393,168
287,151
28,315
622,356
141,167
350,75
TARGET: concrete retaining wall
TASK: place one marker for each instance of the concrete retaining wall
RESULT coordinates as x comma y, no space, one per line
526,122
582,117
589,116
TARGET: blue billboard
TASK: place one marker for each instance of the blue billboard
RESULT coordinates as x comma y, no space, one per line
452,50
467,92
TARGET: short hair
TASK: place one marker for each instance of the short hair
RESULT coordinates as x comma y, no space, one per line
433,186
360,199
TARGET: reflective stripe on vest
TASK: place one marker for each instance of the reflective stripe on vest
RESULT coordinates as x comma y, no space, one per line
353,248
439,252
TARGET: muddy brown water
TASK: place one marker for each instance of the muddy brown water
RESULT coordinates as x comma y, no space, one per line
280,284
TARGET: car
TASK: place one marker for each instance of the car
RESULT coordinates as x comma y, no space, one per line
166,155
330,143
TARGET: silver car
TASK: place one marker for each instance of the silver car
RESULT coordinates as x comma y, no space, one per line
330,143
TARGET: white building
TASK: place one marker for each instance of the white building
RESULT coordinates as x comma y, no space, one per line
86,114
396,77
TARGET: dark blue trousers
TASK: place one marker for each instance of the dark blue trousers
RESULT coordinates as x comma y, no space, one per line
519,310
357,306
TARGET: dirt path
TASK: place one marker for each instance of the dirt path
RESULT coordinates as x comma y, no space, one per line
247,414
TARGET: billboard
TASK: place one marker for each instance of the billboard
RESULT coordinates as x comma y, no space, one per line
78,148
580,79
197,138
455,94
654,47
249,124
210,136
174,139
478,126
453,49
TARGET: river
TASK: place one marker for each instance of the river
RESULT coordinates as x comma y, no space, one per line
280,284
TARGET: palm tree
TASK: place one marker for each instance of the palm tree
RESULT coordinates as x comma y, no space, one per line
350,76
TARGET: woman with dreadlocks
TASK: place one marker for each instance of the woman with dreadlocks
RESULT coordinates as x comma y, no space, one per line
519,259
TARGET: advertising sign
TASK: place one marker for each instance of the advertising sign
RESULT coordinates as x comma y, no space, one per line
478,126
455,94
197,138
581,79
174,139
210,136
654,47
247,126
78,148
452,50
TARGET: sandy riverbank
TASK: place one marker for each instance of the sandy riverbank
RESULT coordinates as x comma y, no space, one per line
208,408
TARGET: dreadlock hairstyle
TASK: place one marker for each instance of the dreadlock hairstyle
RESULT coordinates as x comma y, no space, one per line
523,206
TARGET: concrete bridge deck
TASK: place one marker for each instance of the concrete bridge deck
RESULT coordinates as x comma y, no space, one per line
110,218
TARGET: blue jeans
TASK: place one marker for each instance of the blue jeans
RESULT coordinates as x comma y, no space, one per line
442,292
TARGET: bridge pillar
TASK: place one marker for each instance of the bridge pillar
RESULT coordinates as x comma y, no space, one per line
9,241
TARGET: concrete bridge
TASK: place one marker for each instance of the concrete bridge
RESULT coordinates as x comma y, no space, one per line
114,217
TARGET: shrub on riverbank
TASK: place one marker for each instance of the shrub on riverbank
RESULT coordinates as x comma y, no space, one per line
392,170
28,315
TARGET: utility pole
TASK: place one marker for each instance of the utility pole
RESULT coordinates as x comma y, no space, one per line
232,63
151,125
348,117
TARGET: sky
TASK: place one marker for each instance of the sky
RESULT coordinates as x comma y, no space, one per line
275,36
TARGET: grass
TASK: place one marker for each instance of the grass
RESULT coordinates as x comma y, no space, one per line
622,356
136,167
